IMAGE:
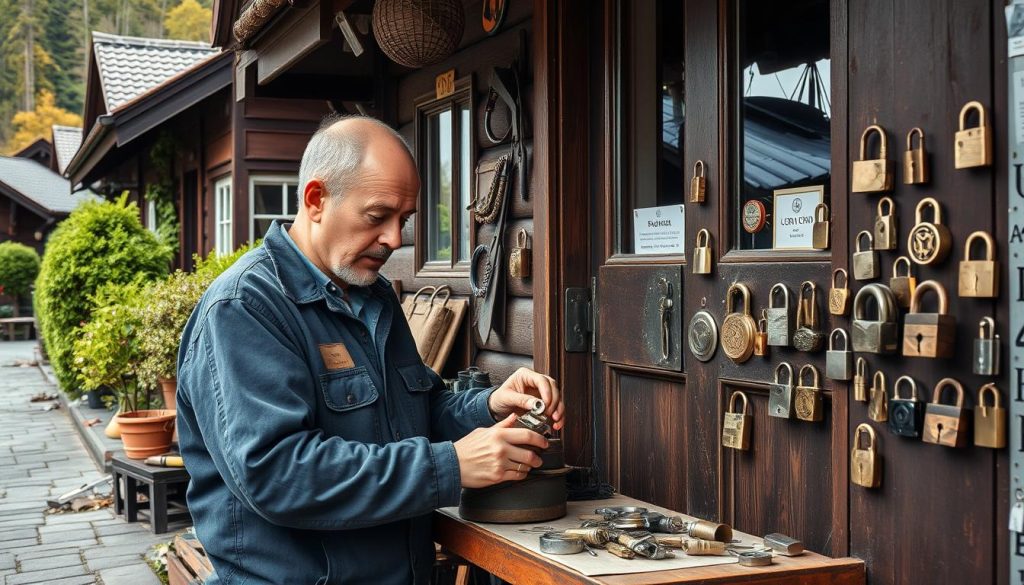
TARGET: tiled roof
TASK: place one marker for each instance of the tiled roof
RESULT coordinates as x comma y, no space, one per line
66,140
129,66
38,183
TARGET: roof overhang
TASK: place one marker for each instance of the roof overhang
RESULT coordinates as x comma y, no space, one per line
28,203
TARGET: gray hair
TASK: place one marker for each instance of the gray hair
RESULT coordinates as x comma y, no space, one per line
336,157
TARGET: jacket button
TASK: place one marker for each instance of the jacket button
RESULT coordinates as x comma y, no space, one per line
351,398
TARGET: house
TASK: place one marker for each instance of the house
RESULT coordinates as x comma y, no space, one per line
33,199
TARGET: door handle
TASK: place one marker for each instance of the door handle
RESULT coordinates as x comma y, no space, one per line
665,308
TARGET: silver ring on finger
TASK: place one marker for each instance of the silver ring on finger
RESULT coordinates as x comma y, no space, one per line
519,468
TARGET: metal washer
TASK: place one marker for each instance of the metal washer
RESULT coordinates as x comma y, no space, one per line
703,336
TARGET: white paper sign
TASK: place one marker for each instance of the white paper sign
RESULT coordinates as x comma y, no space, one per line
659,230
793,217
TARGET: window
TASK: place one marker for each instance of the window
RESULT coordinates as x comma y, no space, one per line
445,155
270,198
223,243
151,215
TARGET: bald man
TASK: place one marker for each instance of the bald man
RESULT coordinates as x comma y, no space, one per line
317,441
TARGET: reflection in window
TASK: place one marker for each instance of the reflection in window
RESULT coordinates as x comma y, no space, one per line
439,192
784,97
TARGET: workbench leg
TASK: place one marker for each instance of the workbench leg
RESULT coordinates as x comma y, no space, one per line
131,499
118,505
158,507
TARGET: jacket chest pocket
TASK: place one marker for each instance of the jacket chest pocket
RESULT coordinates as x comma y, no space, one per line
418,383
350,398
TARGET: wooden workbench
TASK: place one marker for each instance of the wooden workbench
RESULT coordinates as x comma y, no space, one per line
519,565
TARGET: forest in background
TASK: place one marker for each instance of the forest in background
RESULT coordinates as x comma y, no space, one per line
43,48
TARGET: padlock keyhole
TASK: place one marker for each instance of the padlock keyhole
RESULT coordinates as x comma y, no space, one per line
920,339
939,428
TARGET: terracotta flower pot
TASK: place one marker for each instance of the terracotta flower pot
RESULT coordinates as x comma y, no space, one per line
146,432
113,430
169,387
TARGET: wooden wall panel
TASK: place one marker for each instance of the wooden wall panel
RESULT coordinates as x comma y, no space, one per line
518,336
501,365
269,145
285,109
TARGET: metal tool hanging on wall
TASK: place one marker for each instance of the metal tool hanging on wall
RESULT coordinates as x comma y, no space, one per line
519,258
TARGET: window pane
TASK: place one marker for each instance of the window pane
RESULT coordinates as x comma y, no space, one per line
465,180
293,199
784,127
267,199
261,227
439,181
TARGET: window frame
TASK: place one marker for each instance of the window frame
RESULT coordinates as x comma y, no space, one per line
223,219
269,179
428,105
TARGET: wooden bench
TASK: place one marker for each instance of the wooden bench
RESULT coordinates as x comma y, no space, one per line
160,510
10,326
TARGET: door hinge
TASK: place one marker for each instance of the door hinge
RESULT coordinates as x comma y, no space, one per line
581,318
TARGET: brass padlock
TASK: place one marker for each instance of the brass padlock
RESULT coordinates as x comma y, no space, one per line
990,421
987,348
979,278
807,400
946,424
886,226
761,336
905,414
973,146
929,334
736,426
915,160
872,175
866,265
839,298
878,405
902,285
738,329
778,317
881,334
929,242
807,336
519,257
698,184
838,362
865,463
860,381
702,253
780,396
820,229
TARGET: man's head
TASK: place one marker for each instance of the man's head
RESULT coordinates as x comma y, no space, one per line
359,185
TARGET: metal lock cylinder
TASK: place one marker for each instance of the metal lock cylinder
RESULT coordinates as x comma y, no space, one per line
780,396
987,348
905,414
839,361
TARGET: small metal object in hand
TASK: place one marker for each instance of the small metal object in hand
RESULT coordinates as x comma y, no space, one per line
556,543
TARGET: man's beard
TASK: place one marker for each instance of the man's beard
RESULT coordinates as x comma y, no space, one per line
362,277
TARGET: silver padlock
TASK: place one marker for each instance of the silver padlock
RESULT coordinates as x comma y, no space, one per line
780,396
987,348
779,322
839,362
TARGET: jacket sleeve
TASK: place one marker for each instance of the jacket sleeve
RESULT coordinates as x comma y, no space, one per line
254,400
454,415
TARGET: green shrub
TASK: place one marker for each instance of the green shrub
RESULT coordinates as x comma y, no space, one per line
99,243
169,303
19,266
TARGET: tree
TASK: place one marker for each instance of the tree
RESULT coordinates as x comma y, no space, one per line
36,124
19,266
62,38
189,21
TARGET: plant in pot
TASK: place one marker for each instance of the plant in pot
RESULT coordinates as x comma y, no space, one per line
106,353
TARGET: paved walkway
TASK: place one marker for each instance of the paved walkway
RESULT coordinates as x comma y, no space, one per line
41,456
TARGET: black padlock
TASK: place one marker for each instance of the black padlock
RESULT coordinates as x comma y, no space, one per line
905,414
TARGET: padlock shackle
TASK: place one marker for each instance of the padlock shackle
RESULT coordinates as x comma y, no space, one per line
872,437
823,216
892,206
883,146
832,337
788,368
759,322
897,263
990,323
862,367
896,388
990,388
875,292
910,138
812,319
875,384
990,245
871,241
778,286
929,285
936,210
814,373
744,292
700,164
846,277
972,105
732,402
707,238
943,383
522,238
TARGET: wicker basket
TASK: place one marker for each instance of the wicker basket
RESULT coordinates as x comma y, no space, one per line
416,33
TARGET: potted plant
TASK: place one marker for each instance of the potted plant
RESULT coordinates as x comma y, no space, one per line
106,353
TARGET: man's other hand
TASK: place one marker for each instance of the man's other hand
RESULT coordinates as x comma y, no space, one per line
498,453
517,394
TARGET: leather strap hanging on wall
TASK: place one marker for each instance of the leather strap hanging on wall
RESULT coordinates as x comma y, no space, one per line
434,320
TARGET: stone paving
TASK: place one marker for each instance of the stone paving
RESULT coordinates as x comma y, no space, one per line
41,457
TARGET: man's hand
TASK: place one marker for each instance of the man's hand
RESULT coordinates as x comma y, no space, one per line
518,393
495,454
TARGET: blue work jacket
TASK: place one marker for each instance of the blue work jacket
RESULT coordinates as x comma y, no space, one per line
317,449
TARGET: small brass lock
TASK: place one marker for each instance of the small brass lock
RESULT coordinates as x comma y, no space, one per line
987,348
807,336
839,298
886,226
990,421
807,400
881,334
878,405
838,361
702,253
780,395
902,285
698,184
866,265
860,381
872,175
820,229
736,426
929,335
946,424
905,414
778,316
929,242
979,278
738,329
761,336
915,160
519,257
973,146
865,462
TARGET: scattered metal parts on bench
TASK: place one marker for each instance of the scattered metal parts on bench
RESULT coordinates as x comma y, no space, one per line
557,543
784,545
754,558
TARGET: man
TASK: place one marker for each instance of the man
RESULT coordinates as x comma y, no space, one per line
317,441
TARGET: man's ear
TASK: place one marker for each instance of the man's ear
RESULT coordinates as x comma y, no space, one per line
314,199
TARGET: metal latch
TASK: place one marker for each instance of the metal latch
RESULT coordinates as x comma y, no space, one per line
579,319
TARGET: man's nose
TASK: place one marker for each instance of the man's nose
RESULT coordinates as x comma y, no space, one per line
392,235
